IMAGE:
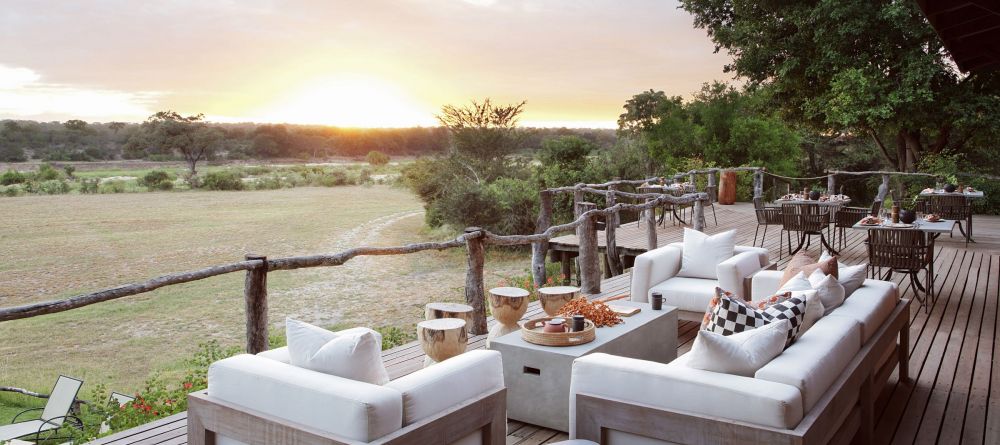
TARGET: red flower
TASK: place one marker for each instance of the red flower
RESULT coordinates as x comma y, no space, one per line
187,385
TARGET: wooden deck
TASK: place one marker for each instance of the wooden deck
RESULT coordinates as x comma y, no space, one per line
955,394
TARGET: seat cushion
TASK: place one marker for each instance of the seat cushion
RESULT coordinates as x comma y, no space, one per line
816,359
686,294
870,306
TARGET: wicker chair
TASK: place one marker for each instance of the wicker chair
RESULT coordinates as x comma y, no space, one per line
766,216
847,217
809,220
954,207
905,251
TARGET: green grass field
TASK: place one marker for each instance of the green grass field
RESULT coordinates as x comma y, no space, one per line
57,246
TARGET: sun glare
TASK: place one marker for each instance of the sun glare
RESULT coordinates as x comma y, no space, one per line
349,102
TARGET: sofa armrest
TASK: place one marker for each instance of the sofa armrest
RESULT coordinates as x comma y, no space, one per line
347,408
652,268
277,354
462,378
762,254
677,387
765,283
733,272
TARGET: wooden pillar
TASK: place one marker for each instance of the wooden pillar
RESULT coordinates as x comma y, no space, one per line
578,197
614,264
540,248
255,297
831,184
475,296
713,185
883,189
693,179
567,271
650,227
699,214
758,183
590,260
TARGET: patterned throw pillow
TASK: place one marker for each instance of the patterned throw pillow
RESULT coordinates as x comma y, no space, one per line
728,314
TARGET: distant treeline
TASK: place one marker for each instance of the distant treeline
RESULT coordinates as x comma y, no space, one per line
77,140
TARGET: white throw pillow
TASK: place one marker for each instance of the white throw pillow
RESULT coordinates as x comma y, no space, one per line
354,353
829,290
851,277
740,354
702,253
814,309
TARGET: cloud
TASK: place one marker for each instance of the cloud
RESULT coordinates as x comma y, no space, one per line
23,95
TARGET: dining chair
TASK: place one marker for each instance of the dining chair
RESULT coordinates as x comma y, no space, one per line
766,216
713,197
846,217
954,207
808,219
906,251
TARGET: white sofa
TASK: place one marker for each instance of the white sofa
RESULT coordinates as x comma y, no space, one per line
820,390
656,271
262,399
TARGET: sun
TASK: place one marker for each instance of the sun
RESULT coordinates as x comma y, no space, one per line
349,101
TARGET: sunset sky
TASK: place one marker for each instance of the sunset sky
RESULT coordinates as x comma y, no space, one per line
370,63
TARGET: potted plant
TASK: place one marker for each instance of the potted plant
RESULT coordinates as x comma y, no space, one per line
909,215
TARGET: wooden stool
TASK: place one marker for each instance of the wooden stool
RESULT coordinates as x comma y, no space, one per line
433,311
508,305
555,297
442,339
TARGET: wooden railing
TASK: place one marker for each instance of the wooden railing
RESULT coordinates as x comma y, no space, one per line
257,267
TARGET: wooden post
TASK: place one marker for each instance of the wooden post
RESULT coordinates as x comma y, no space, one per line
255,298
578,197
883,189
650,227
540,249
611,223
758,183
693,178
713,185
831,184
590,260
699,215
475,296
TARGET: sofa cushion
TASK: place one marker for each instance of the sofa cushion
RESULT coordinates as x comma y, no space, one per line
354,353
817,359
686,294
703,252
851,277
740,354
349,408
830,291
870,306
728,314
678,387
803,262
445,385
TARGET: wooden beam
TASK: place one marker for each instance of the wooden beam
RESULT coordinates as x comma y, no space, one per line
255,298
540,248
475,294
590,261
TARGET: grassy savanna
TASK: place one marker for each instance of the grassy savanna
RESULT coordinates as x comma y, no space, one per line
58,246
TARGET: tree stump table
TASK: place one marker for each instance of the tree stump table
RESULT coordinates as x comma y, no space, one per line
555,297
508,305
433,311
442,339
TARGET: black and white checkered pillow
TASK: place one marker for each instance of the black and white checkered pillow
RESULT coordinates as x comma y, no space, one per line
728,314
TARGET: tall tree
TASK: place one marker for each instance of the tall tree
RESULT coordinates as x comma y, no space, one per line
872,67
169,132
483,136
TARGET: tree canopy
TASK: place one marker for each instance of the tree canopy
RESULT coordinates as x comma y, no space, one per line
857,66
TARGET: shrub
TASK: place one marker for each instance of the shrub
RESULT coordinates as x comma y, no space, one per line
69,169
157,180
46,173
115,186
12,177
11,190
222,180
393,336
377,158
88,186
516,202
53,187
333,179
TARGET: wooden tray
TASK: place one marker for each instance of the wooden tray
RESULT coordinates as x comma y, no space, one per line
531,332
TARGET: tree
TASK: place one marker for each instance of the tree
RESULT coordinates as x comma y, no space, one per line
857,67
377,158
483,136
116,127
169,132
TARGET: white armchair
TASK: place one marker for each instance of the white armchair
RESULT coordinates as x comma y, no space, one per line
656,271
263,399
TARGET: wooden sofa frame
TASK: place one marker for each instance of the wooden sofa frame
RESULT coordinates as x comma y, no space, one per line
208,416
845,411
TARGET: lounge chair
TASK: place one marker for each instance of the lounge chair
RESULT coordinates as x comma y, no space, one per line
54,414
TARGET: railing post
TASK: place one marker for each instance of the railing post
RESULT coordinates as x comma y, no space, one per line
651,226
611,224
578,198
831,184
590,261
883,189
255,297
475,296
540,248
699,213
693,179
712,182
758,183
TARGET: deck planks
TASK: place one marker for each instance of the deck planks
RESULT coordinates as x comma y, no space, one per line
954,395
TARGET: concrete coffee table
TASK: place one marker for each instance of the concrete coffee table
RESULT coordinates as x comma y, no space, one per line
537,377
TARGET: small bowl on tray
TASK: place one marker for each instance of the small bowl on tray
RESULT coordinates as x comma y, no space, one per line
532,331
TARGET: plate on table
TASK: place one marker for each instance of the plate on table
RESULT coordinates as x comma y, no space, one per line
899,225
870,221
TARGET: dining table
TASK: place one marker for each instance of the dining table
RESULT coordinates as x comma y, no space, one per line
975,194
799,199
673,188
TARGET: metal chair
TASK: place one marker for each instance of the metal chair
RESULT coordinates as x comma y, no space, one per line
847,217
713,196
809,220
55,414
766,216
905,251
954,207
